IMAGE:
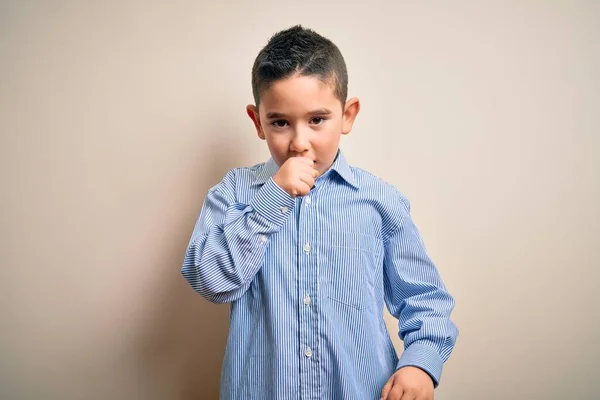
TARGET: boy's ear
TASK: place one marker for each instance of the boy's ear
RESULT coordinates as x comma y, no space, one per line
252,112
351,109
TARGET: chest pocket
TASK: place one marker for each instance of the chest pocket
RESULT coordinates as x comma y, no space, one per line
352,264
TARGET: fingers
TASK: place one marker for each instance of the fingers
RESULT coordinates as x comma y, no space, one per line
407,396
311,168
386,389
408,383
297,176
310,163
396,393
308,178
302,189
306,160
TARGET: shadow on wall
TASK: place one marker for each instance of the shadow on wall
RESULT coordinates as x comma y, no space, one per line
181,350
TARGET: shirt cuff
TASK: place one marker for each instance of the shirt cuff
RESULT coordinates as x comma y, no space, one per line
273,203
423,357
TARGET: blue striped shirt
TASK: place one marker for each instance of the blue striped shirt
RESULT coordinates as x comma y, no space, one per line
307,279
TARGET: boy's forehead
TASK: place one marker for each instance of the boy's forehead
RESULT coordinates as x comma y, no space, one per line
298,94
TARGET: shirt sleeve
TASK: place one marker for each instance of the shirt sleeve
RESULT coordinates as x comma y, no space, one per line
227,245
416,295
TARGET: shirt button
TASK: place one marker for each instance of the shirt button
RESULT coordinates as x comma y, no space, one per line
307,300
308,352
284,210
263,238
307,248
307,201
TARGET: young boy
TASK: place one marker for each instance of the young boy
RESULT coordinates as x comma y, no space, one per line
307,249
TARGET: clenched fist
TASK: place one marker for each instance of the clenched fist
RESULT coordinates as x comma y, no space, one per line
296,176
408,383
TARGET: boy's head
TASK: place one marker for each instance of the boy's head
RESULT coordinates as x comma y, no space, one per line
300,84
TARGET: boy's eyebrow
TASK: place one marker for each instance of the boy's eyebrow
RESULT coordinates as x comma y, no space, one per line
320,111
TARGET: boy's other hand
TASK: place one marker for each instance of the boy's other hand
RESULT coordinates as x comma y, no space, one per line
296,176
408,383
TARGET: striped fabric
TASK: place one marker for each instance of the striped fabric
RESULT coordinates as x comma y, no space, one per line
307,279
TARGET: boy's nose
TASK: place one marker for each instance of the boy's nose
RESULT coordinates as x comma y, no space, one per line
300,143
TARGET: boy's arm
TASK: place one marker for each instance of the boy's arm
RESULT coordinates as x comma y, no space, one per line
416,295
227,246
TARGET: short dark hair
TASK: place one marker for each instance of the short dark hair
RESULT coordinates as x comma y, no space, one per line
302,51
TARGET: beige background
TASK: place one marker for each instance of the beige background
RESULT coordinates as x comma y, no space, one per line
117,117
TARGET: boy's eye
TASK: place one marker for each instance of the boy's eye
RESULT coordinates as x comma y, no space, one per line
280,123
317,120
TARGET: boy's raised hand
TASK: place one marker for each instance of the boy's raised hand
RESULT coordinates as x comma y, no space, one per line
296,176
408,383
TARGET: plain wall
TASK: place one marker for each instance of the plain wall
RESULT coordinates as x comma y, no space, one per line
117,117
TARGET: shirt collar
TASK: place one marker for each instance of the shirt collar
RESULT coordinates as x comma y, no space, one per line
340,166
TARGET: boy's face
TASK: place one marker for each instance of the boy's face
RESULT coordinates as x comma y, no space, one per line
301,117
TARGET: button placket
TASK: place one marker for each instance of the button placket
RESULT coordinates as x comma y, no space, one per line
307,289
